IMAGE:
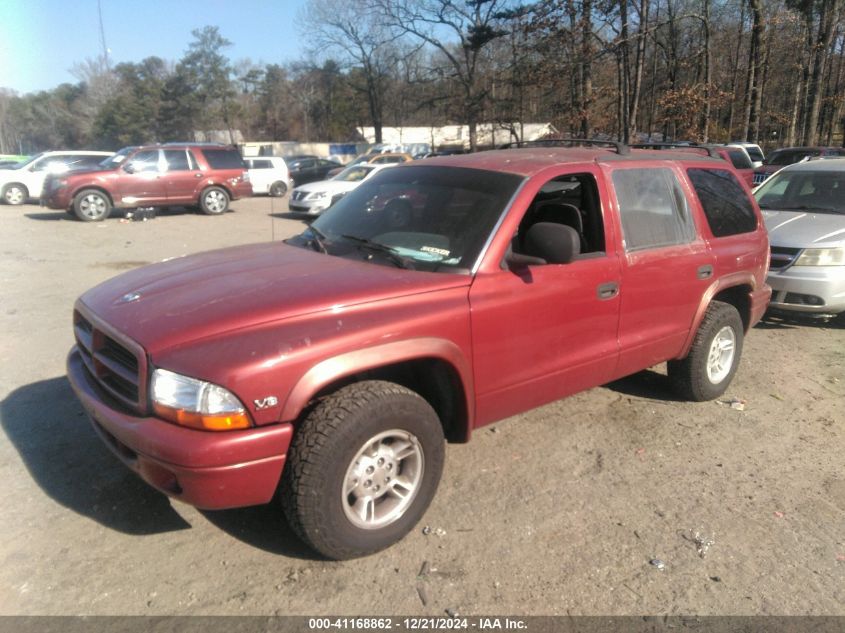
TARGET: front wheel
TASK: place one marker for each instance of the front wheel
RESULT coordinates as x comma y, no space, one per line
278,189
362,469
713,359
214,201
91,205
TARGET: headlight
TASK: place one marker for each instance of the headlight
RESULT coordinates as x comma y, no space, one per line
196,403
316,195
821,257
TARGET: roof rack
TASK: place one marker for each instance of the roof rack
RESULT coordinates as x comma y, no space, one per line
620,148
711,151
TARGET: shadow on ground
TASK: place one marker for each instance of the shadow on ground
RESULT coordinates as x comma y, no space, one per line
647,384
264,527
51,432
54,438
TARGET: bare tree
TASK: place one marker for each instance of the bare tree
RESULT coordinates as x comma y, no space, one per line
356,34
472,25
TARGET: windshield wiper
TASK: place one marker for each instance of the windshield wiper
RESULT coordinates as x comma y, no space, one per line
383,249
317,240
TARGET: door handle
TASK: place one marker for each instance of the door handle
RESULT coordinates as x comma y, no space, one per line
608,290
705,272
197,175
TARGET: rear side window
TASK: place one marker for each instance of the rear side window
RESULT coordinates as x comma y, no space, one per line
177,160
223,158
724,201
261,164
653,208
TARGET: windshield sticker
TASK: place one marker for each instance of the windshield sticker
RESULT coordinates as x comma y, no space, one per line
436,251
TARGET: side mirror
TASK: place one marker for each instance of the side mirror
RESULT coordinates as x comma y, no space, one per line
518,260
129,168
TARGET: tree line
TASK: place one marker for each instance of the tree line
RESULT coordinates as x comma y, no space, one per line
769,71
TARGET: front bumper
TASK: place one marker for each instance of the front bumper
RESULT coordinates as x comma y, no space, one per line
207,469
311,207
812,290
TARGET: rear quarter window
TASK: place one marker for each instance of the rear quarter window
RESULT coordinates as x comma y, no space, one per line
725,203
223,158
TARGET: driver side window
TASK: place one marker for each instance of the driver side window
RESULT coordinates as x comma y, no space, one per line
571,201
146,161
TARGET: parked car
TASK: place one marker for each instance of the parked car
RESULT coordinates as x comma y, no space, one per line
326,371
738,157
304,170
26,180
8,161
373,159
315,197
804,209
193,174
269,174
754,151
780,158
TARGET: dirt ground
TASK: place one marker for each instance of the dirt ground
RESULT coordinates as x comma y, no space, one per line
558,511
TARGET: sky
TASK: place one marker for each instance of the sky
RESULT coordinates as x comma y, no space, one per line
41,40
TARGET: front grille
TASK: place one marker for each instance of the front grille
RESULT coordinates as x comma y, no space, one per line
117,367
783,257
298,195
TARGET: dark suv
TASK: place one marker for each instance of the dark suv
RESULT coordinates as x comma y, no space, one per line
189,174
437,297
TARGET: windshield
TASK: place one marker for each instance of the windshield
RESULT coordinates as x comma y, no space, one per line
354,173
822,191
29,161
425,218
116,160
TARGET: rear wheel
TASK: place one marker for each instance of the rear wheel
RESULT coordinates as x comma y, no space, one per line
278,189
362,469
214,201
91,205
713,359
15,193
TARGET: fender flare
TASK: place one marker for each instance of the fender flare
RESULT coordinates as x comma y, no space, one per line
337,367
725,283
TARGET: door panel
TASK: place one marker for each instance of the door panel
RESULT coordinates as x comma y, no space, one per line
542,335
182,178
145,185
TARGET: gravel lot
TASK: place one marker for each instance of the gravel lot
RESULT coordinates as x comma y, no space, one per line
557,512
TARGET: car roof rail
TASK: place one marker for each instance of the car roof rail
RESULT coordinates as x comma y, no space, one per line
620,148
710,149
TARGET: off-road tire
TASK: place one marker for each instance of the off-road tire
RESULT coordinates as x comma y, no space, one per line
15,193
325,447
91,205
214,201
689,376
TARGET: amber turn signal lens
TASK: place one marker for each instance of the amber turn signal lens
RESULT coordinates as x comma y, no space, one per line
218,422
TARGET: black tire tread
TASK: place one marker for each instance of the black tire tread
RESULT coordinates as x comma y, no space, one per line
311,446
688,375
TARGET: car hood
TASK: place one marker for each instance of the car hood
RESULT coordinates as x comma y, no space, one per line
188,298
329,186
803,229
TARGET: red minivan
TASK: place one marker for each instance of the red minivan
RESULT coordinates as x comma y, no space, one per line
208,176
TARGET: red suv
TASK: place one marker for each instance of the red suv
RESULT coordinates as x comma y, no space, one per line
185,174
436,298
